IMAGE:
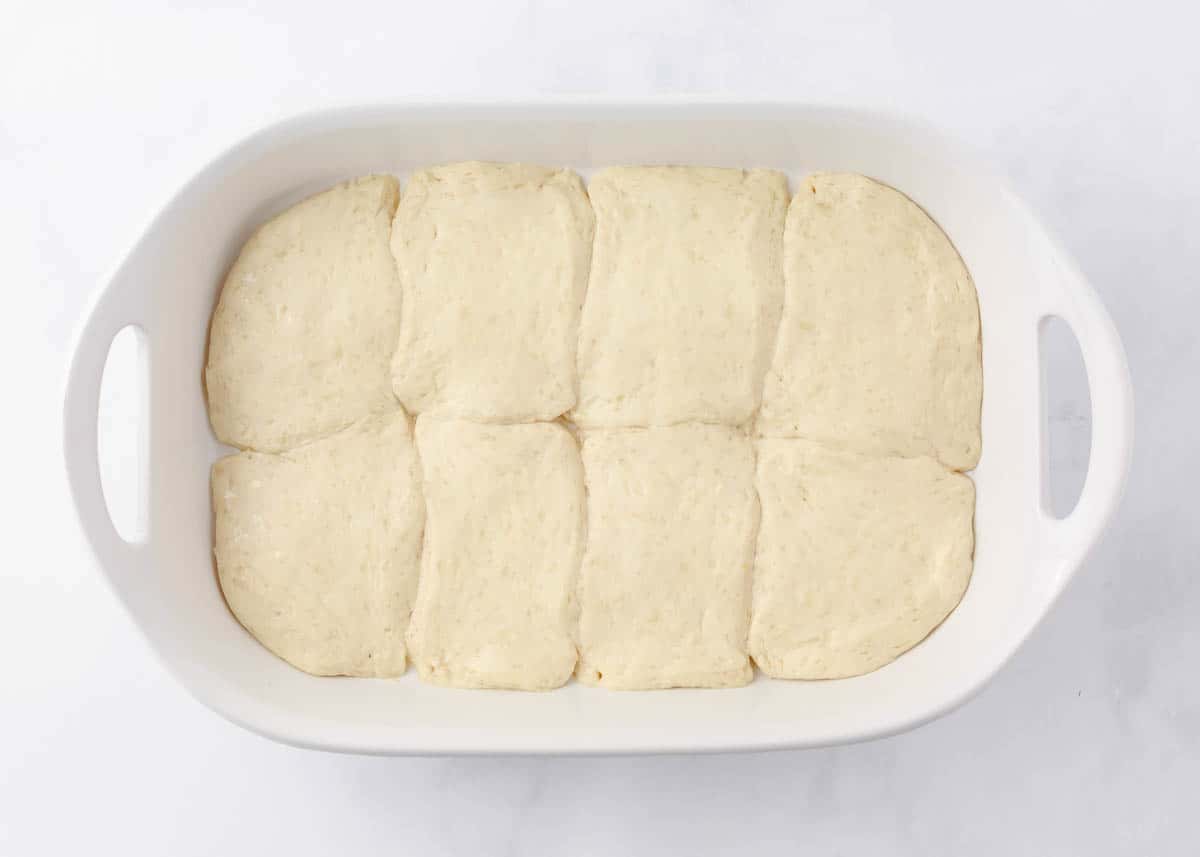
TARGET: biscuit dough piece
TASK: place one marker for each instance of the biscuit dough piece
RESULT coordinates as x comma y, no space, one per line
878,349
317,548
684,297
493,260
307,321
495,607
859,558
665,584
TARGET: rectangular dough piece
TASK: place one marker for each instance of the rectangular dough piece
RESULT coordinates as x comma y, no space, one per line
493,260
879,348
859,558
304,331
665,586
317,549
495,606
684,296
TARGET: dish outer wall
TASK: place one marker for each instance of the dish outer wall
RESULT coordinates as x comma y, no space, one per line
168,286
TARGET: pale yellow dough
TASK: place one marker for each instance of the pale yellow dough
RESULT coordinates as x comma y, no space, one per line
307,321
878,350
684,296
317,548
495,607
859,558
665,584
770,411
493,260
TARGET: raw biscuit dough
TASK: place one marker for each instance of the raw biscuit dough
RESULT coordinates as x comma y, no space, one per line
495,606
684,296
665,584
493,260
317,548
307,321
859,558
878,350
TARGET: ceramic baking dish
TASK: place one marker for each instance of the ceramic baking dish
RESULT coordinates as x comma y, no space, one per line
168,286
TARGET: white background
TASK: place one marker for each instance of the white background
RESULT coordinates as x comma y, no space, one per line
1087,743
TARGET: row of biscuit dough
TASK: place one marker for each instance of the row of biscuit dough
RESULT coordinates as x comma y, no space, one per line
319,551
877,351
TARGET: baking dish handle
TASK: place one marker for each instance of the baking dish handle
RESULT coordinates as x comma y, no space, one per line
1111,391
112,312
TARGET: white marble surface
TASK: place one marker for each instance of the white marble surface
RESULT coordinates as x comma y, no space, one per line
1087,743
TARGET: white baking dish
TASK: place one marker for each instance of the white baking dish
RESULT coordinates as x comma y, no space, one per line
168,286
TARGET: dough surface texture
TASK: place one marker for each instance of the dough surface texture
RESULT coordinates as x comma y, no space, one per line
304,331
878,350
503,541
665,584
493,261
684,296
859,558
317,548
